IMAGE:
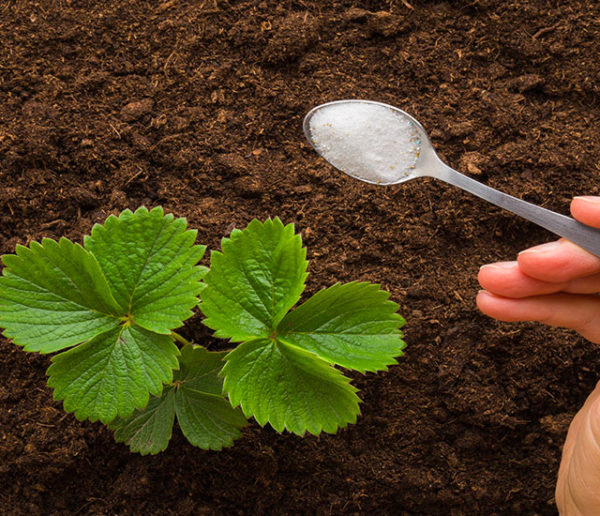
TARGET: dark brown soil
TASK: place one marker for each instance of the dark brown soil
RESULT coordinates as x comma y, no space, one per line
197,106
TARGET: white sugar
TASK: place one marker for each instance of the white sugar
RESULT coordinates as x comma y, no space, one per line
367,141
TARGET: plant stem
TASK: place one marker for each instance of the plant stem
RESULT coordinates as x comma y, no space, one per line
181,339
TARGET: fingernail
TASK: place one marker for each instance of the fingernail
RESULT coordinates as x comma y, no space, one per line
543,248
484,293
500,265
588,198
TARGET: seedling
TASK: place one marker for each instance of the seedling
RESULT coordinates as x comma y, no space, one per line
110,307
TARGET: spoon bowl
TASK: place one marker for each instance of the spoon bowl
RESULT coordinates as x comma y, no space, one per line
418,170
363,138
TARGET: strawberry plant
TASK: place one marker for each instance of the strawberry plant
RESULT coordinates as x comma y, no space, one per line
109,309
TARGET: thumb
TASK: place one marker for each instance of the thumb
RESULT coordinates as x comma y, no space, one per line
578,486
586,209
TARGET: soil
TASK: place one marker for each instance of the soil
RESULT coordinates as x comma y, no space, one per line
197,106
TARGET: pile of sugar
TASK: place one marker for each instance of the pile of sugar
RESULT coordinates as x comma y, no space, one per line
367,141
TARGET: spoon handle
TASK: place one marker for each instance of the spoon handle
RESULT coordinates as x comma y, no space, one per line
584,236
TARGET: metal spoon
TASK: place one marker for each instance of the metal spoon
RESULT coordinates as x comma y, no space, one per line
430,165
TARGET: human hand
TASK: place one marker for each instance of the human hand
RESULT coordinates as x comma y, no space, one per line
557,284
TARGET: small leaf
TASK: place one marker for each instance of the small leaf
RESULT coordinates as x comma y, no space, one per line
199,369
254,281
54,295
114,373
289,388
206,418
352,325
148,430
149,260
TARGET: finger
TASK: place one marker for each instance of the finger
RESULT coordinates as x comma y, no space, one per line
573,433
557,262
586,209
508,280
578,488
578,312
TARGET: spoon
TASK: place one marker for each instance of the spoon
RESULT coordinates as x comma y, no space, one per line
362,138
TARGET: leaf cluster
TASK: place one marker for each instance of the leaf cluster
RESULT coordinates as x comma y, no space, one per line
108,311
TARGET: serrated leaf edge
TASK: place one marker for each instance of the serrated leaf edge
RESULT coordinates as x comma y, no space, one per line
319,428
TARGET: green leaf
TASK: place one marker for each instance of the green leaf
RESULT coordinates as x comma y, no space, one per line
114,373
206,418
199,369
148,430
54,295
288,387
149,260
254,281
352,325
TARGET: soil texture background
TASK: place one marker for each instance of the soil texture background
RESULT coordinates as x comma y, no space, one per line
197,105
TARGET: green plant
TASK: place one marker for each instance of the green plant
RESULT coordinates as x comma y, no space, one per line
111,305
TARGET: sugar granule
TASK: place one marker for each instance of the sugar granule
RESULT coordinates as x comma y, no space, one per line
367,141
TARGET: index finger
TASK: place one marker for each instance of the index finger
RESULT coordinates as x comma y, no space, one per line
586,209
558,261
